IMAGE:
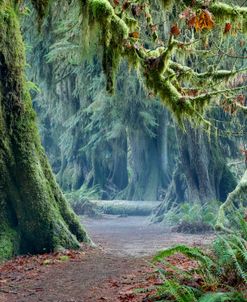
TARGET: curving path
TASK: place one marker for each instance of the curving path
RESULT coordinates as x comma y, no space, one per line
110,272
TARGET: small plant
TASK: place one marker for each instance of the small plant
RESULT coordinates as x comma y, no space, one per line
80,201
64,258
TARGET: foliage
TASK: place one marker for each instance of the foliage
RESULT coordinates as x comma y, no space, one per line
172,81
192,213
222,270
80,201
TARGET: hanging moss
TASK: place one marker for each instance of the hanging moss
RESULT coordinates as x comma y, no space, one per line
167,4
113,33
119,29
41,7
100,9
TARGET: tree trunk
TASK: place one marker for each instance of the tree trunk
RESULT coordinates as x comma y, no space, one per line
34,215
143,161
201,174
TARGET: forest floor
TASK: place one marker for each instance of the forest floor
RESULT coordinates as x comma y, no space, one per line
112,271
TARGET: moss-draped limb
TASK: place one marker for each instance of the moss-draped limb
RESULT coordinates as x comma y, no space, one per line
233,12
220,9
223,12
184,72
163,76
238,196
35,217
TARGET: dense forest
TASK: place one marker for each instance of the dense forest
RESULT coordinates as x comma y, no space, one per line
126,108
131,132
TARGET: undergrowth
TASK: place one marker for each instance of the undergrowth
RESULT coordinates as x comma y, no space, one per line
219,274
192,217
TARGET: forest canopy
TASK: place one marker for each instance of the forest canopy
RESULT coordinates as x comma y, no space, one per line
169,63
181,54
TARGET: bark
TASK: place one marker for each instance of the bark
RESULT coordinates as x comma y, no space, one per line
201,174
34,215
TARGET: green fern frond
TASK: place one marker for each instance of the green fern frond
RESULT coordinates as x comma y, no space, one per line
191,252
228,255
180,293
222,297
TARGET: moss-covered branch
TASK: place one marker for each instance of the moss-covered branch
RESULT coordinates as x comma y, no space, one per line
235,197
163,76
185,72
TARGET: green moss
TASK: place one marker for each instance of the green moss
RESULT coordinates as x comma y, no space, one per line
131,23
223,10
113,32
9,241
100,10
29,191
167,4
120,29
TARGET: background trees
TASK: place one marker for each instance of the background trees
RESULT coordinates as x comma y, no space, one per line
127,145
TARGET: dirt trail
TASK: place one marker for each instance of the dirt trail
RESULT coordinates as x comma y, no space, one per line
109,272
136,236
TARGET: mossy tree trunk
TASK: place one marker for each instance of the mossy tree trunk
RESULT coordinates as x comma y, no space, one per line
34,216
201,174
144,165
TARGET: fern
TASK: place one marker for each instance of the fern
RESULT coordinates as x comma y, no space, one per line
192,253
228,256
222,297
180,293
231,251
